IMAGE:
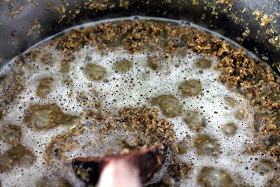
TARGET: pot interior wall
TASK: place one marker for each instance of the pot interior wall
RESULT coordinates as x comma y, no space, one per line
24,23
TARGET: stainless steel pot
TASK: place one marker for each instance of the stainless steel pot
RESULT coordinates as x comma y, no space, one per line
26,22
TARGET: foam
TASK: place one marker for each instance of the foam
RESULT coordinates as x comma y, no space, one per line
132,88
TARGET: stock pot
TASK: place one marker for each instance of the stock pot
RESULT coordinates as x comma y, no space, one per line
253,24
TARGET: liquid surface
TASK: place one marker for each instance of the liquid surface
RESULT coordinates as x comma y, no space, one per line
213,125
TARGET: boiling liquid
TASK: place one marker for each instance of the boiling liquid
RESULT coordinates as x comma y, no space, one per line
134,87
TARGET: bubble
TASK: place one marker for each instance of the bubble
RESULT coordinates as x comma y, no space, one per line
178,169
47,116
168,104
47,59
230,101
60,182
194,120
206,145
123,66
229,129
11,134
6,163
214,177
94,72
65,66
274,182
259,120
190,88
44,87
203,63
17,155
181,148
163,183
88,58
153,63
239,114
264,167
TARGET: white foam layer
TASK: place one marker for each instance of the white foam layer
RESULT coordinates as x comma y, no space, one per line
133,88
